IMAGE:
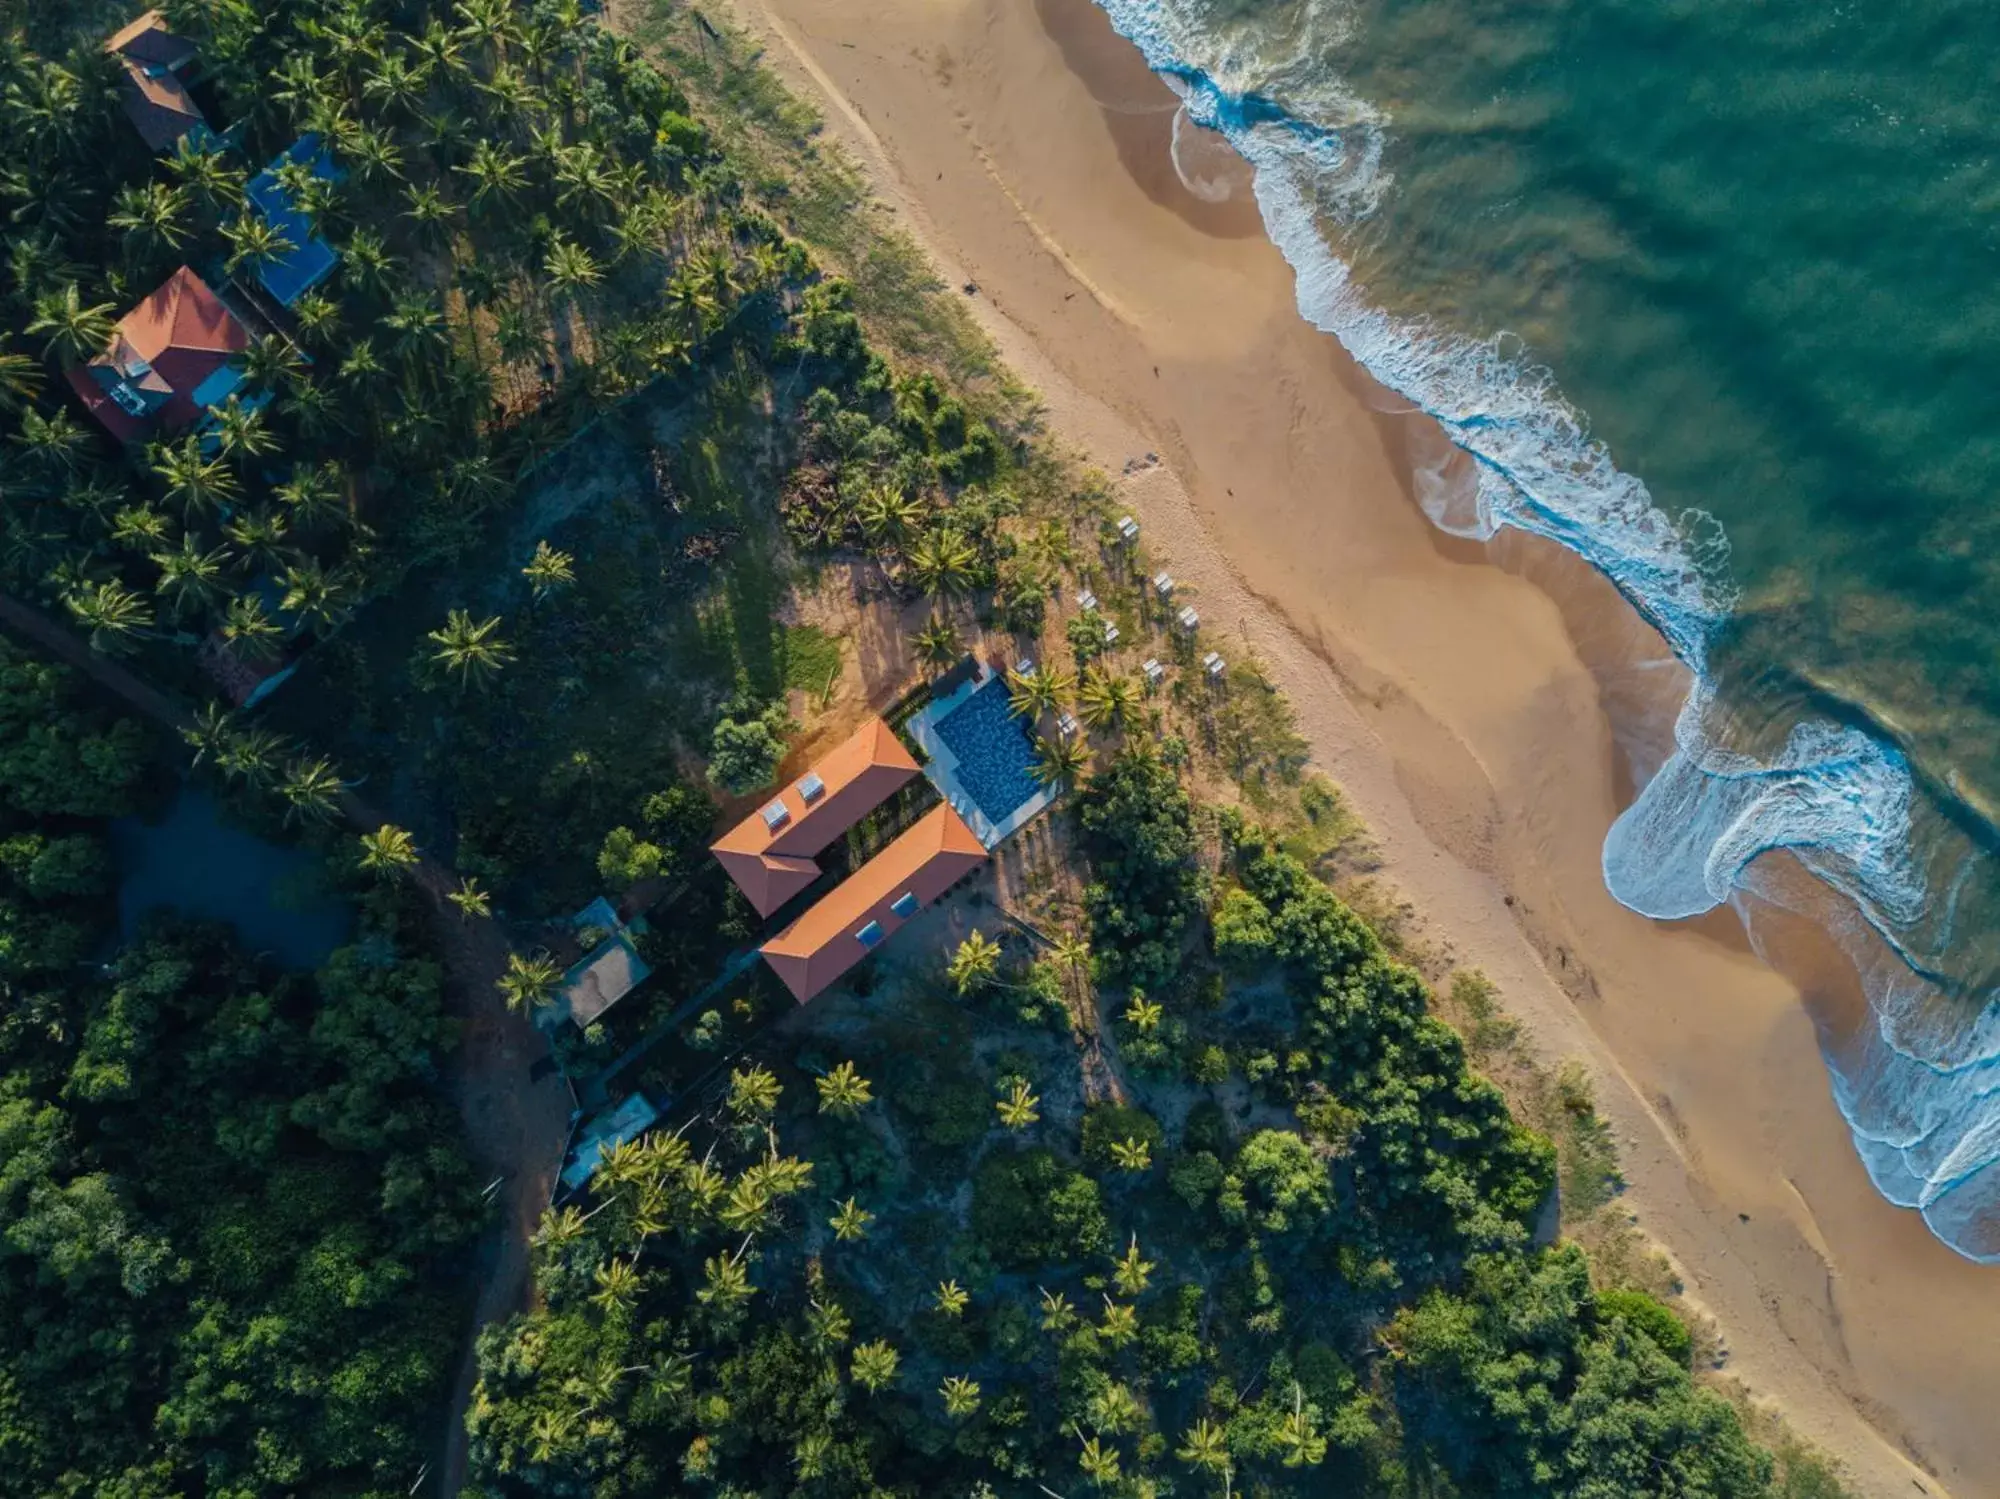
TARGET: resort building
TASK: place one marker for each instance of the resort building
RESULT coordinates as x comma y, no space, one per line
611,970
866,909
154,65
771,854
172,358
311,259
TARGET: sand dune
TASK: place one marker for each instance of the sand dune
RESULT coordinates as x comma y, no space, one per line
1472,701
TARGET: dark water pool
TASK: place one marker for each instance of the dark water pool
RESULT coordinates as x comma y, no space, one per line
195,863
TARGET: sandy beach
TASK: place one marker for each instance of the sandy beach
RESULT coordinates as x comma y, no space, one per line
1469,700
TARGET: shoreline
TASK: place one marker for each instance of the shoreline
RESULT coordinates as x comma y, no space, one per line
1024,153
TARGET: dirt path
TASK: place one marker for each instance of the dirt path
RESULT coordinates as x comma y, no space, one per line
515,1127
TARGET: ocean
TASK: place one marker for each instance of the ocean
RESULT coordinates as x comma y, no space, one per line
1711,292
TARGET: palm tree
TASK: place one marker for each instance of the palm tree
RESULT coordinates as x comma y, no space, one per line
318,317
549,570
389,850
938,643
373,155
205,170
269,363
111,613
1132,1274
1033,694
312,495
726,1284
1205,1445
367,265
1143,1014
1120,1325
1108,699
1100,1463
255,242
496,173
20,379
314,595
753,1092
471,899
1058,1315
416,328
311,789
76,331
942,562
190,579
361,364
141,527
1059,760
688,297
250,631
198,483
52,443
154,213
472,651
617,1283
851,1222
240,431
951,1298
260,536
250,756
572,270
843,1092
961,1396
887,515
1019,1108
432,213
875,1365
974,964
528,983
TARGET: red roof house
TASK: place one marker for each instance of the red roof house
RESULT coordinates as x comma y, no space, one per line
152,90
771,853
866,908
170,361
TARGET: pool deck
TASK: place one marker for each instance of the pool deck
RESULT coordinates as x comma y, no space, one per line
941,768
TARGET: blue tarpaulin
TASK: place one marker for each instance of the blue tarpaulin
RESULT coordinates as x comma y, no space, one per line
302,268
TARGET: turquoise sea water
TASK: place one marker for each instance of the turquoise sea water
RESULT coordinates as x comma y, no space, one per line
1712,291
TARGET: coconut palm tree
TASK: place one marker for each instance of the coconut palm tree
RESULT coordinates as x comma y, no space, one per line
572,270
432,213
691,301
203,168
938,643
311,790
76,330
974,964
52,443
270,363
240,432
318,317
1019,1108
110,613
155,214
388,851
1132,1154
312,495
255,242
470,650
875,1365
951,1298
471,899
1059,760
1032,694
961,1396
497,174
617,1283
416,328
1205,1445
851,1222
1108,699
20,378
193,480
843,1092
249,630
260,536
315,596
529,983
191,580
887,515
367,266
943,561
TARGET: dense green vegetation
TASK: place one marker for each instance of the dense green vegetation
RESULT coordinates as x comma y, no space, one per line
1283,1241
232,1208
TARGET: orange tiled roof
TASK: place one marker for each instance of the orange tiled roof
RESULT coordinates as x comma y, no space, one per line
155,99
184,332
824,943
773,864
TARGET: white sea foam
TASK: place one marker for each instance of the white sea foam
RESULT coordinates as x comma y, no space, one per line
1920,1087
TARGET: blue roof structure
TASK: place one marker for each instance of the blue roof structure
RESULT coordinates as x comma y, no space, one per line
312,259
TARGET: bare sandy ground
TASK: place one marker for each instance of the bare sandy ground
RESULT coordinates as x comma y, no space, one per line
1465,698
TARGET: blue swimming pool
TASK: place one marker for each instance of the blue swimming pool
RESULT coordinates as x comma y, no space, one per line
996,758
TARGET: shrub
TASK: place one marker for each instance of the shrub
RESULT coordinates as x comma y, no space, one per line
1656,1320
1029,1209
744,752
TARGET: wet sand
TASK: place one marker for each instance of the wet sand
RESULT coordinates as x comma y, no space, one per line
1479,705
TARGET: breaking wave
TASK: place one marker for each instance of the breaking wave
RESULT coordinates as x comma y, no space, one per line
1917,1082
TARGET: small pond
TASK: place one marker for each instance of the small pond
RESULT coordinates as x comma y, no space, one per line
194,862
